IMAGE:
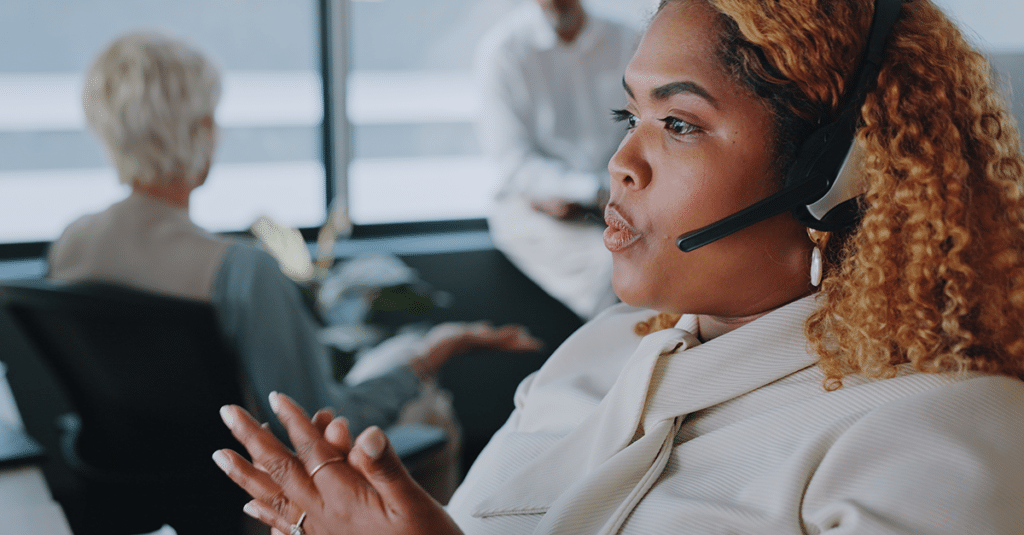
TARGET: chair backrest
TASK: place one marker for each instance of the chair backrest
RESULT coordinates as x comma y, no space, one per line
146,373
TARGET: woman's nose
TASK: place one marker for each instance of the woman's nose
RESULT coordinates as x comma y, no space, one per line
628,166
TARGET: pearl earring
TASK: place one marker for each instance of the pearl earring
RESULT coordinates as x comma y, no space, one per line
820,240
815,266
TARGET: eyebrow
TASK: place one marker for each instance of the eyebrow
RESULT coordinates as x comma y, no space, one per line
675,88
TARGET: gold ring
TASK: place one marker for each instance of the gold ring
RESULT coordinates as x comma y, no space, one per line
323,464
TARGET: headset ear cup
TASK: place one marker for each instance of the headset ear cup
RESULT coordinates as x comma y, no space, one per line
820,158
840,206
819,161
842,216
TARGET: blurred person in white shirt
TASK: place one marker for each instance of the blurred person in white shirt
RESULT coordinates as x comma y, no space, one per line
549,76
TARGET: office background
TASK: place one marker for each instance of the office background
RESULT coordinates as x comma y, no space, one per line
394,138
397,143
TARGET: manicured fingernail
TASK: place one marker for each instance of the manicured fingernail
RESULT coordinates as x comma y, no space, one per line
372,442
250,509
274,402
229,419
221,460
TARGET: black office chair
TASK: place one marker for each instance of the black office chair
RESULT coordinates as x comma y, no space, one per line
146,375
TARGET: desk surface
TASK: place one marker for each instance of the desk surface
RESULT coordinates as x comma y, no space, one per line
25,502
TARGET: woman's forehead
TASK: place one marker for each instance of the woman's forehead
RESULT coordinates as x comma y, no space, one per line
679,45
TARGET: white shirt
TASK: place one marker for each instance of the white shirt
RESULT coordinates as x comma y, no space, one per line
738,436
546,107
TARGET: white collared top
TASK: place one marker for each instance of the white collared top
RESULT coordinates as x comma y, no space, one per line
545,110
755,444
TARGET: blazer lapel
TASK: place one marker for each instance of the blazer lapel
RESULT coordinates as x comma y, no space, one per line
589,480
602,434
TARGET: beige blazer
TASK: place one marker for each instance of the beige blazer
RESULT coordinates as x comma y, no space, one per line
661,434
144,242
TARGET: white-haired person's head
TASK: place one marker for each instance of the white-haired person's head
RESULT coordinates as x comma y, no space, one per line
151,99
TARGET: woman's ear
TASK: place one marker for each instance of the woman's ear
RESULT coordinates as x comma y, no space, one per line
207,132
209,127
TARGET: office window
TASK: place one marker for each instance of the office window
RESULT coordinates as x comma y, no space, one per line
268,159
407,104
410,107
406,149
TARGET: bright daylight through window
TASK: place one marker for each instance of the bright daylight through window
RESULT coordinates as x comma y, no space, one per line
268,158
407,149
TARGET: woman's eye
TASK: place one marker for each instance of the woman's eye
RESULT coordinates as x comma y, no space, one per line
678,126
623,116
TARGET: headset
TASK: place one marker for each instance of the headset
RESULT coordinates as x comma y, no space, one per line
825,181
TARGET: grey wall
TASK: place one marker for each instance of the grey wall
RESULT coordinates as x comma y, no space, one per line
1009,68
994,26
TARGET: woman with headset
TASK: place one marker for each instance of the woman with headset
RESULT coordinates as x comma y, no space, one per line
817,224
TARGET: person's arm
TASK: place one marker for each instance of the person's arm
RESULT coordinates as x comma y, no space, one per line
277,339
264,316
422,362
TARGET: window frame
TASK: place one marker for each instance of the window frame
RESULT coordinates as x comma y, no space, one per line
337,135
336,145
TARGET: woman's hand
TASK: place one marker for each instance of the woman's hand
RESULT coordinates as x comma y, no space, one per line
559,209
362,488
447,340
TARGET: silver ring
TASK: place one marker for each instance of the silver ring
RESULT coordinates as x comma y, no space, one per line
323,464
297,527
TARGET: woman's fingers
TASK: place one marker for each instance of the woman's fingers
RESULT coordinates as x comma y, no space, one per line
343,485
308,441
277,464
261,486
337,434
374,457
405,504
507,338
268,516
450,339
367,487
518,338
322,419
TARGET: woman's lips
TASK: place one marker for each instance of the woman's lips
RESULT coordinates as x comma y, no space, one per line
620,234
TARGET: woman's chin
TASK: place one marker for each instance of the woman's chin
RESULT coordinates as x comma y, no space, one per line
633,291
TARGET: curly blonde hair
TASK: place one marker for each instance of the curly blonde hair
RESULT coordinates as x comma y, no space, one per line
934,273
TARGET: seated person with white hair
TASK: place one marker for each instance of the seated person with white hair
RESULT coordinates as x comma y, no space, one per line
151,99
